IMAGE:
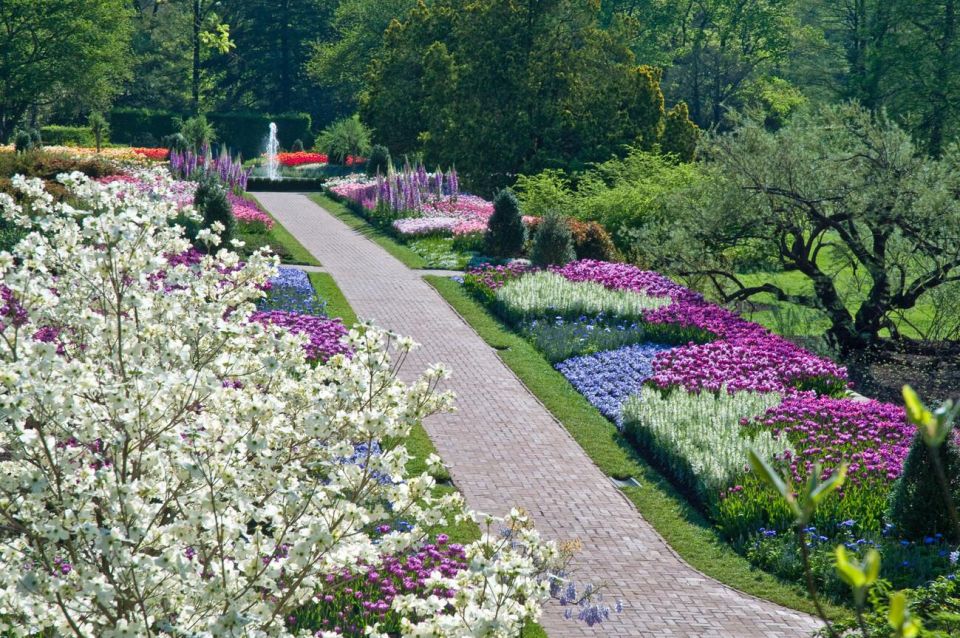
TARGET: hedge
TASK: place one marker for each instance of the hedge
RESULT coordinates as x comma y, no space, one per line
243,133
246,133
286,185
55,135
141,127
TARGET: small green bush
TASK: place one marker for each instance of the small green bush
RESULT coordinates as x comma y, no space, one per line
198,132
297,146
211,201
505,231
26,139
918,505
68,135
553,245
175,142
379,161
344,138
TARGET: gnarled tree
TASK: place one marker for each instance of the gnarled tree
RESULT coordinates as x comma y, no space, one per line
842,197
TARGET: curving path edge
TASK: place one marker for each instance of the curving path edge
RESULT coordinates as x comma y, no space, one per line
504,449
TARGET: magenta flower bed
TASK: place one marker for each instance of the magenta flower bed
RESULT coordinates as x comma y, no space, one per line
325,335
248,212
873,437
765,363
745,356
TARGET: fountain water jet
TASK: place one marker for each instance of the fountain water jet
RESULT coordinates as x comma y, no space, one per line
273,147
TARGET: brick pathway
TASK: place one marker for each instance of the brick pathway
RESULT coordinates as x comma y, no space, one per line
504,449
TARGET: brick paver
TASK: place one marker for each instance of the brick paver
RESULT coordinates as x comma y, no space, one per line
504,449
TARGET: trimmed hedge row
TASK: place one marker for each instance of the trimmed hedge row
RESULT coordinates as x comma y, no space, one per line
243,133
286,185
67,136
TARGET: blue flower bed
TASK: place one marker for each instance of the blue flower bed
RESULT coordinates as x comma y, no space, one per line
291,291
607,379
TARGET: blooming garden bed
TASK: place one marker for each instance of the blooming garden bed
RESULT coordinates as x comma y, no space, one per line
215,462
693,386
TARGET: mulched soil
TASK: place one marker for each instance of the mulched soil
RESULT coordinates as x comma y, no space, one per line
932,369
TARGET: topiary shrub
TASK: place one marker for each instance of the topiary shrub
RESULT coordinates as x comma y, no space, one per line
379,161
553,245
26,139
297,146
212,203
505,231
917,503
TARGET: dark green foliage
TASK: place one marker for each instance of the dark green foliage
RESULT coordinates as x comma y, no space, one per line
297,146
680,135
174,142
68,135
553,244
379,162
26,140
211,201
127,125
505,232
286,185
191,226
246,133
344,138
198,132
499,88
918,506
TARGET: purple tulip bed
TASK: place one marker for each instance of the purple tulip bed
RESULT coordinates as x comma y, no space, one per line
693,347
292,303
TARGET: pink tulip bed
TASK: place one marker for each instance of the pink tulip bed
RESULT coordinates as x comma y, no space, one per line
691,347
423,210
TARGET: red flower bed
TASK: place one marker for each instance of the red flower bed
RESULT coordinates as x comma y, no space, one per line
300,158
156,154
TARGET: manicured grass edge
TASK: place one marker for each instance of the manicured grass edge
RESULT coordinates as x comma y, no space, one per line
418,443
301,256
683,527
336,304
404,254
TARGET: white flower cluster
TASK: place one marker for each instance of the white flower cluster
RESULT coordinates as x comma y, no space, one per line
168,468
700,436
546,293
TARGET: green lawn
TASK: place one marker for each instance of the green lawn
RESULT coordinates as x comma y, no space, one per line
684,528
793,320
418,442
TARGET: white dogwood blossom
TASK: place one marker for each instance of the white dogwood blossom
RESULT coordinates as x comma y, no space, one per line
169,468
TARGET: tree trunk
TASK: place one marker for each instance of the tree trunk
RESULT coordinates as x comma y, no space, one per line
196,56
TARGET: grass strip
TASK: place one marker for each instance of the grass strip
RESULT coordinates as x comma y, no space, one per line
404,254
299,255
418,443
687,531
336,304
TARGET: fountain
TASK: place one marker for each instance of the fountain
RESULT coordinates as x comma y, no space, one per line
273,146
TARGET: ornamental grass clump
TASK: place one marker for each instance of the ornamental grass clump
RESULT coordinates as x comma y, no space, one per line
697,438
545,294
172,468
